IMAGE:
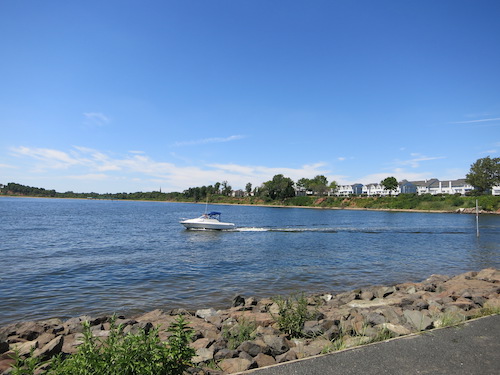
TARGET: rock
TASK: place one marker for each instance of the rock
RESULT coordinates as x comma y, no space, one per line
250,347
201,343
286,357
225,354
75,325
24,348
489,274
367,295
233,365
238,301
205,313
4,347
377,302
203,355
277,344
383,292
264,360
397,329
375,318
252,301
51,349
316,347
418,320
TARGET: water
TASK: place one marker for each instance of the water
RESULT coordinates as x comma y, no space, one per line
64,258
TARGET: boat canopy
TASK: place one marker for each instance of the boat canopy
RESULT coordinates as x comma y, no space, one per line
213,213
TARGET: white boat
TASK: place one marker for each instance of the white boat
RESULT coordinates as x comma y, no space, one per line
207,221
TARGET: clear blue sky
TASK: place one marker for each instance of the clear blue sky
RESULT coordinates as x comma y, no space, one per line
118,95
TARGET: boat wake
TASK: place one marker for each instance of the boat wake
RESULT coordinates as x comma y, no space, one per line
344,230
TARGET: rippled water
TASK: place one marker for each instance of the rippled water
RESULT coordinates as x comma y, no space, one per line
63,258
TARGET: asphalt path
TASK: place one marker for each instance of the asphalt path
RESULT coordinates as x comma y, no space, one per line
470,348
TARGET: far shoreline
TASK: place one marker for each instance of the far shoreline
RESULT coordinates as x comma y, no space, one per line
409,210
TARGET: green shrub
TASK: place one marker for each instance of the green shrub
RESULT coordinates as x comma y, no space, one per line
292,314
142,353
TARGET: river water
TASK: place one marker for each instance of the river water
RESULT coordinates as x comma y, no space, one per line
64,257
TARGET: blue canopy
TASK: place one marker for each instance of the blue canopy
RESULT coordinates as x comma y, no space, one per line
214,213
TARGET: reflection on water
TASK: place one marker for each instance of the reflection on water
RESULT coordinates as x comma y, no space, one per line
71,257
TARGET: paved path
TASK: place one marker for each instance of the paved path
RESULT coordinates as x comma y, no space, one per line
472,348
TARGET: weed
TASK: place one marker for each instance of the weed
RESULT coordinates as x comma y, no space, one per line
292,314
240,332
448,319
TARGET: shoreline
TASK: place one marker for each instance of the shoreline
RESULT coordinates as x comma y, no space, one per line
344,320
459,210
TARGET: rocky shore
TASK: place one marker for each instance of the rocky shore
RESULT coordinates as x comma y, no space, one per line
333,322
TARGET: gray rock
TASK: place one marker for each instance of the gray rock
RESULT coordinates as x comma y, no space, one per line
203,355
286,357
418,320
225,354
277,344
206,313
250,347
375,318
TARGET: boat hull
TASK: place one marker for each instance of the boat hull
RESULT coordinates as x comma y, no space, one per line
209,224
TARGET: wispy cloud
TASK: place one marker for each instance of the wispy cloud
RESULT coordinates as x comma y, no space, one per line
476,121
416,159
96,118
209,140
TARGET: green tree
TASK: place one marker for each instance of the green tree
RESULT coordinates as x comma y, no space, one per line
390,183
226,189
484,174
248,188
279,188
319,184
333,186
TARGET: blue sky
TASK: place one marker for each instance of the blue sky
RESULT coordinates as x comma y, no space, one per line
125,96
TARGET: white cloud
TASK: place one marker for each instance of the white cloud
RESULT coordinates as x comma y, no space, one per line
209,140
87,164
96,118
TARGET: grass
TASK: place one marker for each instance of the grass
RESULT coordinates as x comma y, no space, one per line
142,353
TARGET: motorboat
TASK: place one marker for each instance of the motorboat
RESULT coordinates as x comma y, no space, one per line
210,220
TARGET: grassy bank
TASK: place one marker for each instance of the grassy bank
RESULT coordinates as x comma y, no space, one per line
448,203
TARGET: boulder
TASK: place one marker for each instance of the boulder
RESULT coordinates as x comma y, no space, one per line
277,344
290,355
250,347
50,349
396,329
233,365
264,360
225,354
206,313
203,355
418,320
